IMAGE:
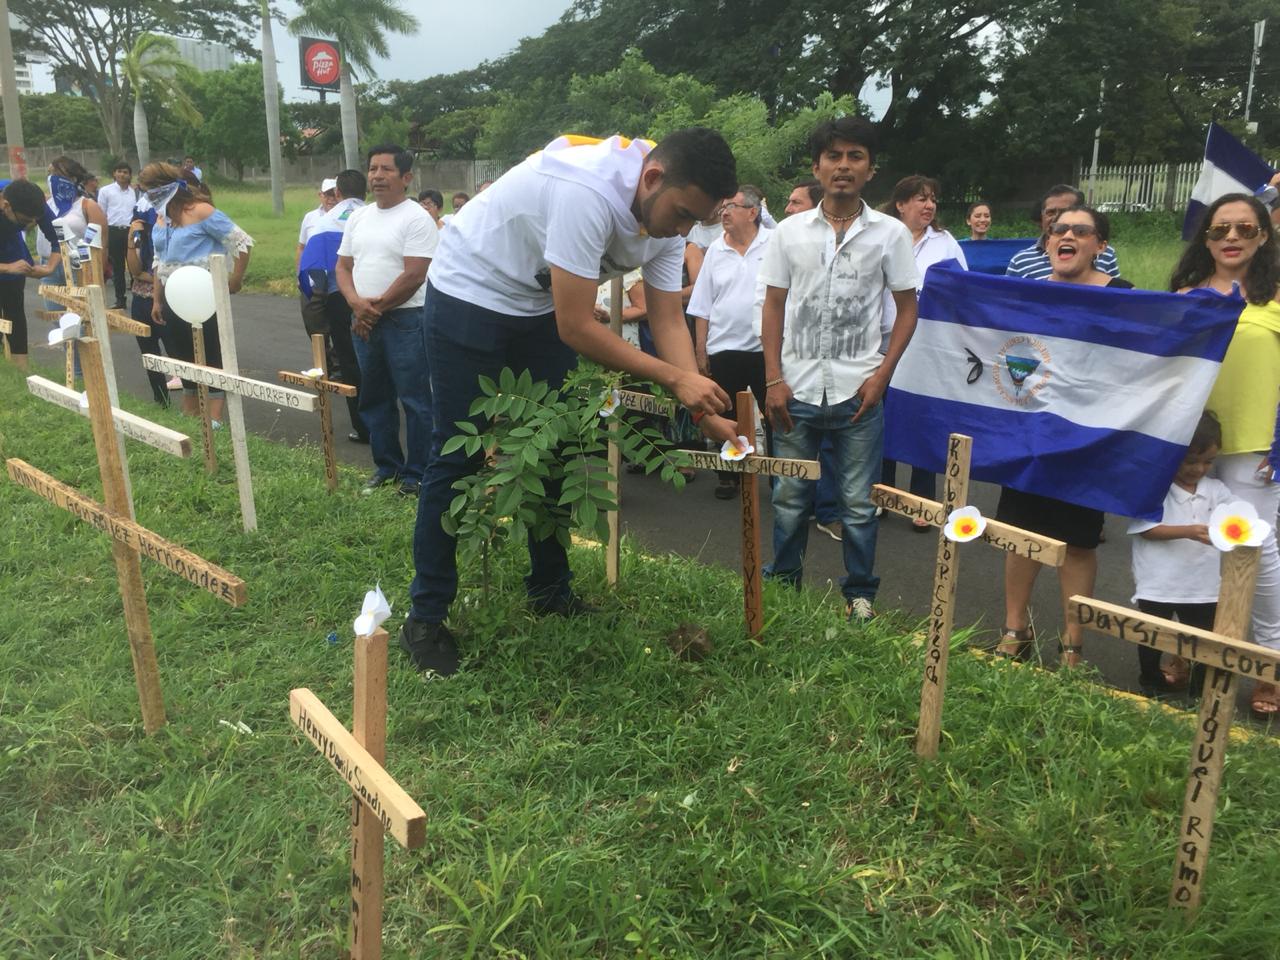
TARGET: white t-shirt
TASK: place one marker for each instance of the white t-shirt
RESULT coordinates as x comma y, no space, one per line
378,240
933,247
703,235
725,294
309,224
568,207
630,331
1179,571
831,327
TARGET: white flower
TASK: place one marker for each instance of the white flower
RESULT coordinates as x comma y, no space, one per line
610,403
736,449
315,373
964,524
68,329
1236,524
372,613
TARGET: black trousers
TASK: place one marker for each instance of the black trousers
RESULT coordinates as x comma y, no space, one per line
13,308
117,248
329,314
735,370
1192,615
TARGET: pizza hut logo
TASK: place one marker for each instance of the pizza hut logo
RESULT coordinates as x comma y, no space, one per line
321,63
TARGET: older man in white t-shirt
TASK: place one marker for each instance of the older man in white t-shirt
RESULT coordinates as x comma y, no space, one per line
382,266
514,285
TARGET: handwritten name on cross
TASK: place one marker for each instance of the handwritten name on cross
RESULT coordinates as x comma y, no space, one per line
378,803
129,540
1226,652
323,387
235,386
1004,537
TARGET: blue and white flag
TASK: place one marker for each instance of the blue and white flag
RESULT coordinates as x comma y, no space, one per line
1083,393
1229,167
993,256
317,267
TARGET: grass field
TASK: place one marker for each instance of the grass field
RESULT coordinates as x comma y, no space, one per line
1148,244
588,794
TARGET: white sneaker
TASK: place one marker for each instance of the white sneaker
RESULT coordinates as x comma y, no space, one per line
834,530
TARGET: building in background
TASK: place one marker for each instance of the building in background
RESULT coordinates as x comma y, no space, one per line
205,55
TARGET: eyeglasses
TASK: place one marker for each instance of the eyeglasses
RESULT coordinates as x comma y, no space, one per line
730,205
1076,229
1220,231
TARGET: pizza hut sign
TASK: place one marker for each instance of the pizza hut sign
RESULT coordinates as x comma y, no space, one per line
320,63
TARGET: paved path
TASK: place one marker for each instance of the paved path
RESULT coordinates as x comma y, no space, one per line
270,337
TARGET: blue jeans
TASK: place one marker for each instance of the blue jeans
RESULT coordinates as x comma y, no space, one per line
856,452
466,341
826,506
393,369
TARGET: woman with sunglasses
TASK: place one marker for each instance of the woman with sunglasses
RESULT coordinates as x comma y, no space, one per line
1073,243
189,230
1234,252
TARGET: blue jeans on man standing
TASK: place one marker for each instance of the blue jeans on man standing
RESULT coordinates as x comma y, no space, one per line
465,342
393,370
856,452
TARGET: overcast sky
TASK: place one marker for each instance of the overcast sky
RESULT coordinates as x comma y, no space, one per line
453,36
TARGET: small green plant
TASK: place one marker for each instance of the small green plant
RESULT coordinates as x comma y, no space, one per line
539,440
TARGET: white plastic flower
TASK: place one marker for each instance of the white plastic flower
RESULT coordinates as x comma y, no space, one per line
737,449
84,400
68,329
1236,524
315,373
964,524
372,613
610,403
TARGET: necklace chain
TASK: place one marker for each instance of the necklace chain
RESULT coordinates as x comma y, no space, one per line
834,219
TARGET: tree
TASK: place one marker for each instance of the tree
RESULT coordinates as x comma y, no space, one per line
87,42
360,29
271,98
235,124
153,69
61,119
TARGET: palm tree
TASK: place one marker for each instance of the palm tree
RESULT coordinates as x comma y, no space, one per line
271,98
360,29
153,66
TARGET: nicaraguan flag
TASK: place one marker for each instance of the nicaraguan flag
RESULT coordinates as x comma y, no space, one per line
1229,167
1082,393
993,256
317,267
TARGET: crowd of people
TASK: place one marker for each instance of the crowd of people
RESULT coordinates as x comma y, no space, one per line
811,314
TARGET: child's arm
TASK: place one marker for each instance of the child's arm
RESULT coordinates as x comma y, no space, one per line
1184,531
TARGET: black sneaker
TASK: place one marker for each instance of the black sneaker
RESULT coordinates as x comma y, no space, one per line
376,481
430,646
356,437
408,488
565,605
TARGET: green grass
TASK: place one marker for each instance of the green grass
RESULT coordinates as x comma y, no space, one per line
588,795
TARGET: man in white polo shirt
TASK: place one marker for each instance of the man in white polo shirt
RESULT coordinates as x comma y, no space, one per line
824,275
382,265
723,305
514,285
117,200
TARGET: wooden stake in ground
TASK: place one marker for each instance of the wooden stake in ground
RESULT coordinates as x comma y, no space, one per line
234,385
378,803
6,330
1227,654
946,572
323,387
128,538
202,401
613,549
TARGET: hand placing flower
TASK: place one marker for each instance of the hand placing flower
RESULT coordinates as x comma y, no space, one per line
611,403
964,524
737,449
1236,524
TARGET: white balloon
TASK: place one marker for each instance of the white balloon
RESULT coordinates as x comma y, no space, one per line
189,293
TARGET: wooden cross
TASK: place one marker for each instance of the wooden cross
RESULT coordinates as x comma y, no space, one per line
1228,655
235,386
750,468
323,387
129,539
378,803
1002,536
6,329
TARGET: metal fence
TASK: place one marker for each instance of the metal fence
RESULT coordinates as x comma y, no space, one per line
1140,187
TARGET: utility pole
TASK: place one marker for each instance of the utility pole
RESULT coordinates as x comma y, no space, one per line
9,92
1259,28
1097,136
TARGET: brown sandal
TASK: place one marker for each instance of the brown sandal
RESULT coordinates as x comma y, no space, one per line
1069,650
1017,644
